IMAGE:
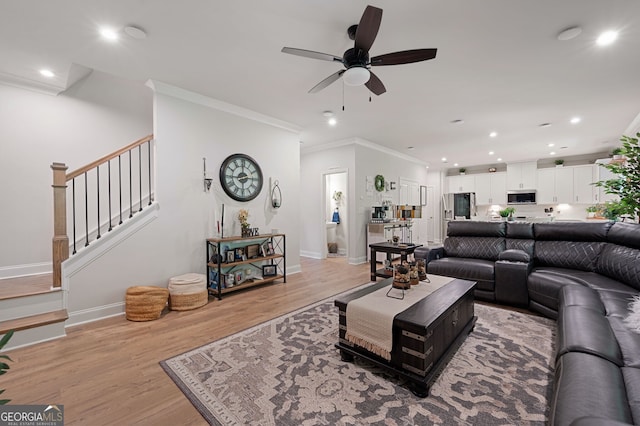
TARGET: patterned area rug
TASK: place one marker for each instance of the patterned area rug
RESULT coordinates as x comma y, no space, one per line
288,372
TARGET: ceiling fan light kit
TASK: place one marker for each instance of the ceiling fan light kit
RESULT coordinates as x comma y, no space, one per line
356,76
356,60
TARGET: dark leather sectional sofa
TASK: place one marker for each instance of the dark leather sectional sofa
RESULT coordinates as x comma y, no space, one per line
582,274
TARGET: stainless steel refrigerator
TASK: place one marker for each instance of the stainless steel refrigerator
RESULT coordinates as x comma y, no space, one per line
459,206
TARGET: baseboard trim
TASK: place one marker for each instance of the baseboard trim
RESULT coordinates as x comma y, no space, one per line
36,335
357,260
25,270
84,316
310,254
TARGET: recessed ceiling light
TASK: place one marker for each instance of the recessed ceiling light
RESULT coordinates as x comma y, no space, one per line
552,153
544,125
575,120
606,38
493,134
47,73
498,159
135,32
108,34
569,33
457,121
564,147
491,153
444,159
455,164
551,144
332,121
410,148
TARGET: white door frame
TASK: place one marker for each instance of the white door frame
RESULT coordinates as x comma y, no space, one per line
323,205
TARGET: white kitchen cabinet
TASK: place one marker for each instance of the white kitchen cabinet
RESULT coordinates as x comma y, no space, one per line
555,185
491,188
522,175
461,183
583,188
602,174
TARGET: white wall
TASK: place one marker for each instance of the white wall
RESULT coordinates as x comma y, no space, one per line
186,129
93,118
362,159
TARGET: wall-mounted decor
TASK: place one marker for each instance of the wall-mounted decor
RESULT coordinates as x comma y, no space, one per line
276,195
241,177
207,181
379,183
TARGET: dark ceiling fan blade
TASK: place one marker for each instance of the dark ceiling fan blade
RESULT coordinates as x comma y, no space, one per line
404,57
375,85
368,28
311,54
327,81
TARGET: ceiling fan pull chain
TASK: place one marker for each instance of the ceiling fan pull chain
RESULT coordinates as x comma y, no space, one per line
343,96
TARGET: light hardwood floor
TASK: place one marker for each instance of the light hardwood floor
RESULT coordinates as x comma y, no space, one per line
108,372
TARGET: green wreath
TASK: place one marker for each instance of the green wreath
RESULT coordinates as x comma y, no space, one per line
379,182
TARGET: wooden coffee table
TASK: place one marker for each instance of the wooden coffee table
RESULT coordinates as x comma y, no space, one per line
425,336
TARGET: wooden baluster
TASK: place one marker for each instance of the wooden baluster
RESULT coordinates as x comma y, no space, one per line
60,243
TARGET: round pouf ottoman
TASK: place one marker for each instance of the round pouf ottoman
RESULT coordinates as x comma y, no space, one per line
145,303
188,291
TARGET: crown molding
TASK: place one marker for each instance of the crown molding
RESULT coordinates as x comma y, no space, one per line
197,98
362,142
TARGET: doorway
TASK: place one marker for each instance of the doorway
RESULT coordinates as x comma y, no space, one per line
336,230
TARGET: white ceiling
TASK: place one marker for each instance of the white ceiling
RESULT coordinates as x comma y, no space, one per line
499,66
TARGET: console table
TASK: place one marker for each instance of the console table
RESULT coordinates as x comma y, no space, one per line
403,250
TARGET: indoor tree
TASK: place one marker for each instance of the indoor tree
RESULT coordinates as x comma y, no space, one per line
626,186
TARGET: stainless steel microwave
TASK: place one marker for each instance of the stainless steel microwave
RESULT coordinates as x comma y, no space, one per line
521,197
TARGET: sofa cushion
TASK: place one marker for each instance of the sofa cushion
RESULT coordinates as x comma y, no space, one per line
477,247
520,244
520,230
587,385
568,254
575,295
625,234
581,329
621,263
478,270
544,288
462,228
589,279
629,342
571,231
633,319
632,382
616,303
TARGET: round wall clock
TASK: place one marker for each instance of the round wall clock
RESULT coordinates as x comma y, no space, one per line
241,177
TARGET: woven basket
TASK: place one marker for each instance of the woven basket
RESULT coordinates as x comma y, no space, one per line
186,302
188,291
145,303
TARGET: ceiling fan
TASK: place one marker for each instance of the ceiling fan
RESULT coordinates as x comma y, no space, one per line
356,60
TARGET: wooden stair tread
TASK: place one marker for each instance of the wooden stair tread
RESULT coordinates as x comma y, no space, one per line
26,286
33,321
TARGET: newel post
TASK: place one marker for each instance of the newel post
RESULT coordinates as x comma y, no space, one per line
60,251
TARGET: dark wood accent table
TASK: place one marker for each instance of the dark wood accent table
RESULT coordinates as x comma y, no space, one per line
425,336
403,250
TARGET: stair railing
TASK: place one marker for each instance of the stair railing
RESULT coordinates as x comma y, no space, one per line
133,183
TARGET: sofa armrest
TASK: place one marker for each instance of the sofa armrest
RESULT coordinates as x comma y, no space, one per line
513,255
429,253
511,273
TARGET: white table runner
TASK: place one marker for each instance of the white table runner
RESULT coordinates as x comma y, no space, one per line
370,317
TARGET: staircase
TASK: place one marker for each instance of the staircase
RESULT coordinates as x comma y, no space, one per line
105,196
33,308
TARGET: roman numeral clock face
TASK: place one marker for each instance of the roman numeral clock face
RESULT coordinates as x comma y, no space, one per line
241,177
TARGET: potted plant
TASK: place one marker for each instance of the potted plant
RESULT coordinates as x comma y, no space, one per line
559,162
592,210
3,365
626,185
462,170
617,153
507,213
613,210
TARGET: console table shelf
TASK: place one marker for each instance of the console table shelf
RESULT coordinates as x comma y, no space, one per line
219,270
